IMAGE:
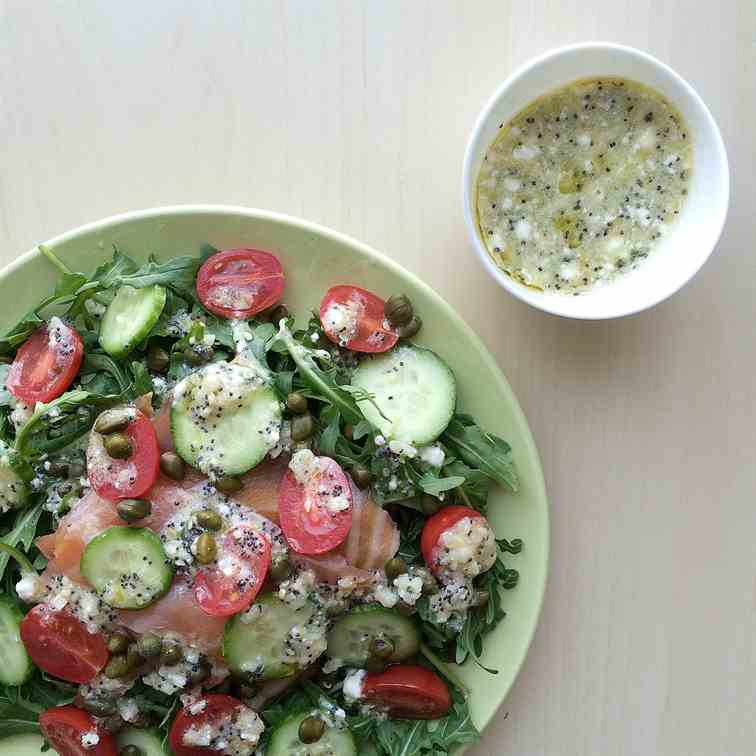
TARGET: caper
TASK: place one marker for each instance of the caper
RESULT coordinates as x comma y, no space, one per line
395,567
199,673
348,432
296,403
398,310
194,357
361,476
133,657
118,643
131,750
229,484
132,510
75,470
209,519
118,666
149,645
172,466
158,359
409,330
277,314
430,504
206,548
100,707
302,427
280,570
430,586
118,446
57,469
381,648
311,729
405,609
170,653
112,421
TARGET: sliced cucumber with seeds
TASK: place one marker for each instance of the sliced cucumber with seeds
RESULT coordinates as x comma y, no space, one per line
335,741
149,742
127,567
351,637
256,646
130,317
225,418
15,665
15,474
414,389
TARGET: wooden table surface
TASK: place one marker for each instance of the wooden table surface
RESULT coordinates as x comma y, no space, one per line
356,115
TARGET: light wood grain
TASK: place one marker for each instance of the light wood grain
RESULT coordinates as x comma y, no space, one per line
355,115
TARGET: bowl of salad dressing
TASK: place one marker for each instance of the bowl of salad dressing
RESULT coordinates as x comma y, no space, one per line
595,182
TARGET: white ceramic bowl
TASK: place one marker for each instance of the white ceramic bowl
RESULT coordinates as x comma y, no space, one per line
690,241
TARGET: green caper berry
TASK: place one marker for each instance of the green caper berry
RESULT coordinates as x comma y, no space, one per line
57,469
405,609
75,469
171,653
100,707
118,643
296,403
172,466
117,667
280,570
348,432
158,359
430,504
277,314
112,421
302,427
398,310
132,510
395,567
209,519
133,657
193,357
207,549
118,446
229,484
131,750
409,330
381,648
149,645
361,476
311,729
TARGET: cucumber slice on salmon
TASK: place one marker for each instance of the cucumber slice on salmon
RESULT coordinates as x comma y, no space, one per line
15,665
225,418
335,741
350,638
15,474
130,317
127,567
414,390
149,742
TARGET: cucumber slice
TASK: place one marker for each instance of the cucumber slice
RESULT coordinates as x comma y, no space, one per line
127,567
414,389
130,317
225,418
15,474
284,740
349,639
149,742
15,665
258,647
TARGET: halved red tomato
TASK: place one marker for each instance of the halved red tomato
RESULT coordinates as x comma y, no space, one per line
444,519
353,318
306,513
74,732
115,479
219,710
231,585
238,283
61,645
46,363
407,691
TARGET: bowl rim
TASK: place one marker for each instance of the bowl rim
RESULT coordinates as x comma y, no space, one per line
539,585
561,305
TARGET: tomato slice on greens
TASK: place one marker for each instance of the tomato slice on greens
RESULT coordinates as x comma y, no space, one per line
60,644
67,729
407,691
353,318
218,710
238,283
437,525
46,363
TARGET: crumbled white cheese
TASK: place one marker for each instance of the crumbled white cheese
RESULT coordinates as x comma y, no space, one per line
31,587
468,548
353,685
433,455
20,413
296,590
342,320
380,440
454,598
168,680
402,448
90,739
128,709
198,736
80,601
305,466
306,643
409,588
385,596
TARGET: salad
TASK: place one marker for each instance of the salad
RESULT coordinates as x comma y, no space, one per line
223,532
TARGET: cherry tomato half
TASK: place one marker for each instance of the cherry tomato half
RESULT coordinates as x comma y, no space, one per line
218,709
115,479
406,691
64,726
237,283
307,521
61,645
435,526
230,586
46,363
353,318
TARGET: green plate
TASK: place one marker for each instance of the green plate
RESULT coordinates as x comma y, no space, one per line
314,259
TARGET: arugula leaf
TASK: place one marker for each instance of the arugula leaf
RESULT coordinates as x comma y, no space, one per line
178,273
141,383
95,363
482,451
474,491
17,719
22,534
434,486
